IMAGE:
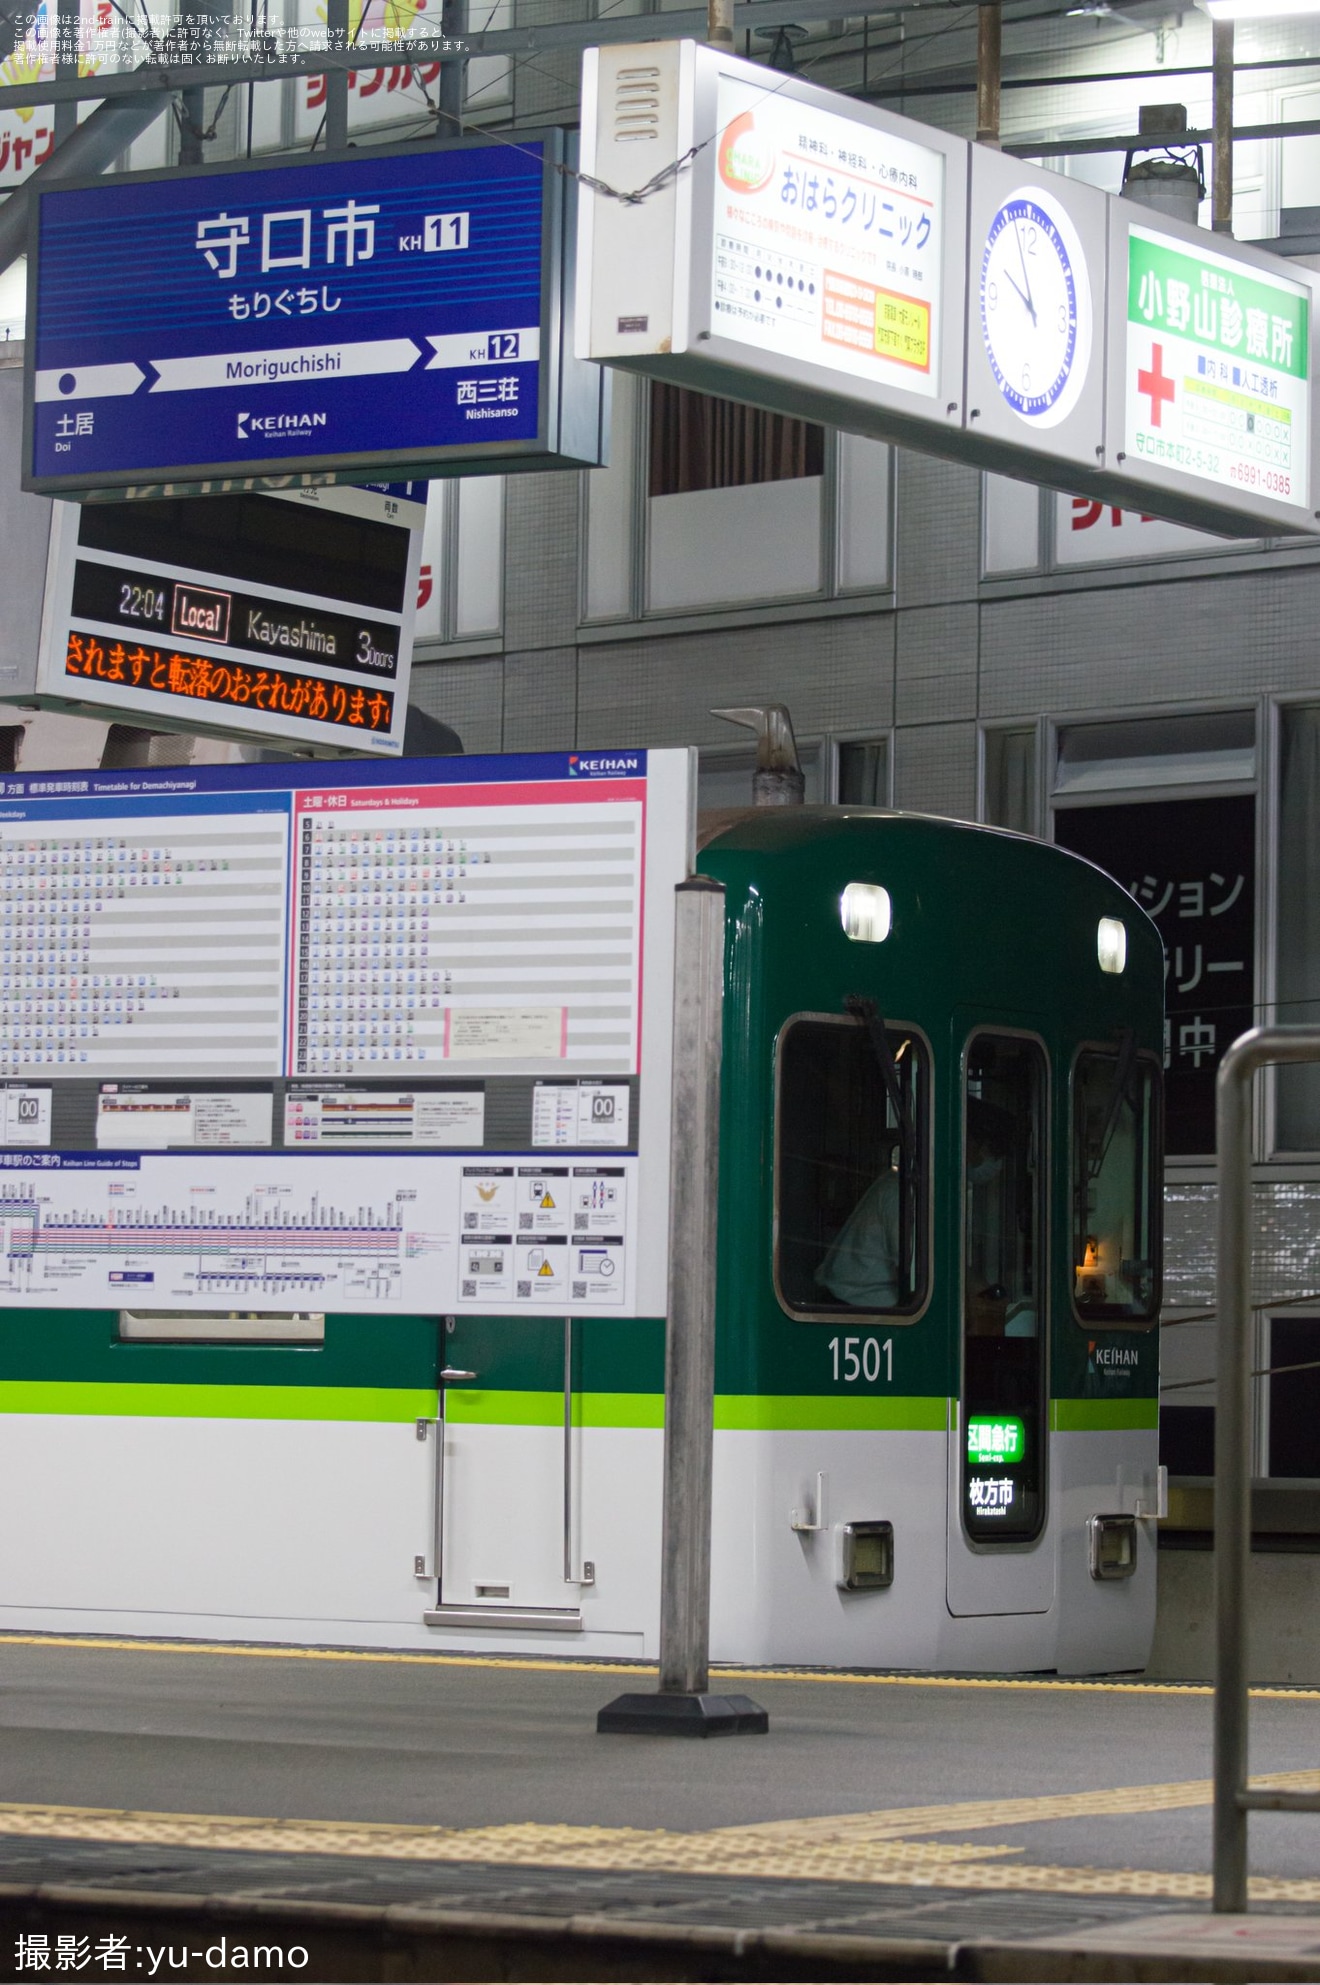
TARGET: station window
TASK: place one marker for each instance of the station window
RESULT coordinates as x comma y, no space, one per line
1010,779
1294,1396
1125,796
1004,1195
863,771
852,1169
1116,1188
701,442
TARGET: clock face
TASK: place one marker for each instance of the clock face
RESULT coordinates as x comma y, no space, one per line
1036,307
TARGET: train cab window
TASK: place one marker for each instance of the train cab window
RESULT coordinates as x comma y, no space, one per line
851,1167
1116,1188
1004,1310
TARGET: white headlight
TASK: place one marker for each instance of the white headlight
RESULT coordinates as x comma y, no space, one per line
865,912
1111,944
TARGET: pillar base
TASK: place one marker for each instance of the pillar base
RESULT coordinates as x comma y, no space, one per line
675,1715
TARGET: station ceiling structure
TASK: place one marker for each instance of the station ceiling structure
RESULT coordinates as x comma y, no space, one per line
911,56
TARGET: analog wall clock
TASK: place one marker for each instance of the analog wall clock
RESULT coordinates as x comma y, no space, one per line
1036,307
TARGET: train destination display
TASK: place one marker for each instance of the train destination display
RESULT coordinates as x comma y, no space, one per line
409,1000
390,312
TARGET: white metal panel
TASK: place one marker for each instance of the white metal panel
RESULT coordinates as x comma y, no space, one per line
710,547
504,1523
610,512
1103,1626
774,1595
503,1517
636,115
865,513
317,1520
1010,538
479,580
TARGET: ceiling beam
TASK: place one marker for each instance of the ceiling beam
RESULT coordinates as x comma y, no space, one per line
749,16
98,142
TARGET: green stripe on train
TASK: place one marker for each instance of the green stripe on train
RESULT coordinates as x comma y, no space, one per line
217,1402
485,1407
733,1412
831,1412
1104,1416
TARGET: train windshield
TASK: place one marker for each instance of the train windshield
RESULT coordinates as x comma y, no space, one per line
852,1171
1004,1314
1116,1187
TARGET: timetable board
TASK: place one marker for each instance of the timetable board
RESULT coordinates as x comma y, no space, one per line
335,1037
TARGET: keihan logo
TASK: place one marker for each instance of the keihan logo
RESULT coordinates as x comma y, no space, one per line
747,160
603,765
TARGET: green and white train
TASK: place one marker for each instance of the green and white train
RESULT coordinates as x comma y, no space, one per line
937,1302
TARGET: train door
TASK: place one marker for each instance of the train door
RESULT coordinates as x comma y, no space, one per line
999,1557
509,1469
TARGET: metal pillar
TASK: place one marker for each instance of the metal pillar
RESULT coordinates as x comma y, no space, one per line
683,1707
336,81
453,71
989,65
68,21
719,23
1232,1800
205,23
97,143
1221,198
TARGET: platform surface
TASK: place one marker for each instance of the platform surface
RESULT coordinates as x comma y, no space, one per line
1031,1813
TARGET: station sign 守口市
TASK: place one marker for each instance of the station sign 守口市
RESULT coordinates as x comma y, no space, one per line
780,244
394,314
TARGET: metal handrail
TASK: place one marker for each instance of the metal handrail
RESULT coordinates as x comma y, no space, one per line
1233,1801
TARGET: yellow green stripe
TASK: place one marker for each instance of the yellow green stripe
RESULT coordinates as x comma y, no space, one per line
217,1402
1104,1416
734,1412
479,1406
482,1406
831,1412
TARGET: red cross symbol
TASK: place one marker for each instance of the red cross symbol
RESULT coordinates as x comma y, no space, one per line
1157,384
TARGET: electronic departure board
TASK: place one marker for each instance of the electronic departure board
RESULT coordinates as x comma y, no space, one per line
284,616
339,1036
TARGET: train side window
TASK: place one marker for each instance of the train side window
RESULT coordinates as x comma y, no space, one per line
851,1172
1116,1187
1004,1282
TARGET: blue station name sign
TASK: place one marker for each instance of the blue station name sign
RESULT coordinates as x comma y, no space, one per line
395,312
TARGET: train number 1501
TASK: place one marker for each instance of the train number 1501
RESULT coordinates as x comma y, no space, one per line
867,1364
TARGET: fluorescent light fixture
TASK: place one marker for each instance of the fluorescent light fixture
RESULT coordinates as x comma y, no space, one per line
866,912
1111,944
1257,10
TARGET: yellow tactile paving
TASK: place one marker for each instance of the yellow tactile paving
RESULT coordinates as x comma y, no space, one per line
852,1847
579,1665
973,1813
